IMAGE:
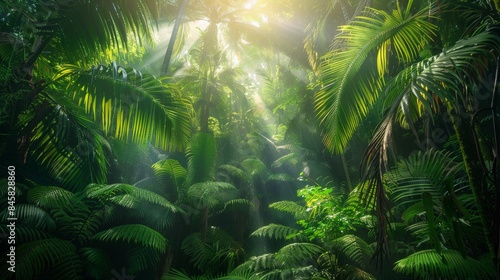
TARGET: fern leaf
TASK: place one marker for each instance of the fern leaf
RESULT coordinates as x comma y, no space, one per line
295,254
211,194
281,177
298,211
35,257
353,249
136,233
449,264
126,195
169,171
96,262
275,231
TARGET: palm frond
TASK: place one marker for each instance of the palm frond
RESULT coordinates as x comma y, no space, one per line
26,233
90,27
141,258
32,216
298,211
447,264
295,254
280,177
139,234
254,167
348,93
127,195
202,154
49,197
96,262
443,74
130,105
292,158
169,172
211,194
275,231
354,250
35,257
66,145
236,175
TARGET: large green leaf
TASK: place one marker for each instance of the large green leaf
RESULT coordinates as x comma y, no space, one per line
138,234
352,79
202,155
128,195
131,106
448,264
34,257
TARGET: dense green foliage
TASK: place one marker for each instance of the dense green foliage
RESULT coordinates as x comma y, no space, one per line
249,140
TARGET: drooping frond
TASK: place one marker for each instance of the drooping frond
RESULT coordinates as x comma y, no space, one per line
211,194
351,80
215,249
141,258
96,262
90,27
254,167
295,254
65,144
33,216
443,74
134,233
51,197
34,257
275,231
169,172
128,195
235,174
130,105
202,154
298,211
292,158
354,250
25,233
448,264
280,177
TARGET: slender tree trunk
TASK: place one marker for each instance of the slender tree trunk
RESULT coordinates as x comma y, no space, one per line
168,55
477,177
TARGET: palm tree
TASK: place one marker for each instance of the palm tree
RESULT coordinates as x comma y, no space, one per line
59,115
402,59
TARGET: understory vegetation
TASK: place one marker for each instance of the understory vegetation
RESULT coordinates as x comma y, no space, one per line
249,140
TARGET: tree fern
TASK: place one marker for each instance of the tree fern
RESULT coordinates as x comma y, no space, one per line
134,233
448,264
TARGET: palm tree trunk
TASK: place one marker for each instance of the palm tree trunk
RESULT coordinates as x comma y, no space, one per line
477,176
168,55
